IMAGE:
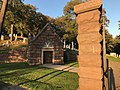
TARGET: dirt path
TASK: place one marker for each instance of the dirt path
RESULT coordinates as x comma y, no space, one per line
116,72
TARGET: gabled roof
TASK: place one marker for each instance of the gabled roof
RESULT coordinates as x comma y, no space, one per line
40,32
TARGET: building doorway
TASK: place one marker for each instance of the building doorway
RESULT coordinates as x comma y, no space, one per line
47,57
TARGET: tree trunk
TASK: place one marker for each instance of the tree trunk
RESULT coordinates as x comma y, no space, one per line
2,13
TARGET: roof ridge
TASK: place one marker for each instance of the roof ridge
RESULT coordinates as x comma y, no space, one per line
54,30
40,31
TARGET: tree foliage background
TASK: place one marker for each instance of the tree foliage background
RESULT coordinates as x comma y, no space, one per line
26,20
109,42
24,17
66,24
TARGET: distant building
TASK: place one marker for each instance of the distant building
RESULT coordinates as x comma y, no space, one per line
46,47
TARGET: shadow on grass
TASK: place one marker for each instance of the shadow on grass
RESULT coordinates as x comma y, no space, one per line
16,69
72,63
15,66
7,86
13,72
16,74
47,85
3,85
75,63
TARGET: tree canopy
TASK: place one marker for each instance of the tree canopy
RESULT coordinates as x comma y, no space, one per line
112,44
27,20
119,24
0,4
24,17
109,42
67,23
117,44
69,8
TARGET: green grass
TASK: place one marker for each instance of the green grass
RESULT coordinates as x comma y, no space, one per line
72,63
111,58
37,78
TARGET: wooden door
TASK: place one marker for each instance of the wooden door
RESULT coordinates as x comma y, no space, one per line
47,56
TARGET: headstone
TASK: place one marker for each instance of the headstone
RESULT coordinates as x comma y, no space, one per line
15,37
72,45
89,40
11,37
7,43
64,44
24,40
2,37
29,37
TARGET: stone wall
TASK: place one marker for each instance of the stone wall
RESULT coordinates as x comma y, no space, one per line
70,55
8,56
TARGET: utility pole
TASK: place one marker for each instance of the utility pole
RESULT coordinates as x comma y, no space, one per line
2,13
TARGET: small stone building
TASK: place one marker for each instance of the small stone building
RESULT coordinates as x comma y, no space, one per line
46,47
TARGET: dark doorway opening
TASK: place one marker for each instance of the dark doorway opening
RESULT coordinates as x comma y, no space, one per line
47,57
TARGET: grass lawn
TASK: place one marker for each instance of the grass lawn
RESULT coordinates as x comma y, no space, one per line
111,58
72,63
37,78
75,63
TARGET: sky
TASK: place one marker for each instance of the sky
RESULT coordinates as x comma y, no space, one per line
54,9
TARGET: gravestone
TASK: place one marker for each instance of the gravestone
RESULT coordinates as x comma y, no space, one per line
89,40
72,45
15,37
11,37
2,37
64,46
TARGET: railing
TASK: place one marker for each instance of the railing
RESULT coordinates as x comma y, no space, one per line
109,75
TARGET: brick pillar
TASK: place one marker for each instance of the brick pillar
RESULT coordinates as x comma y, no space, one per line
89,38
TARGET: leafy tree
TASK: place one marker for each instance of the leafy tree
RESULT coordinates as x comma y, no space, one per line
24,17
59,24
109,42
1,4
70,21
66,24
117,44
119,24
69,8
112,44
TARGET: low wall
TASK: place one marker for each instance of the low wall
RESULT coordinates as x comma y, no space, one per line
18,55
70,55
